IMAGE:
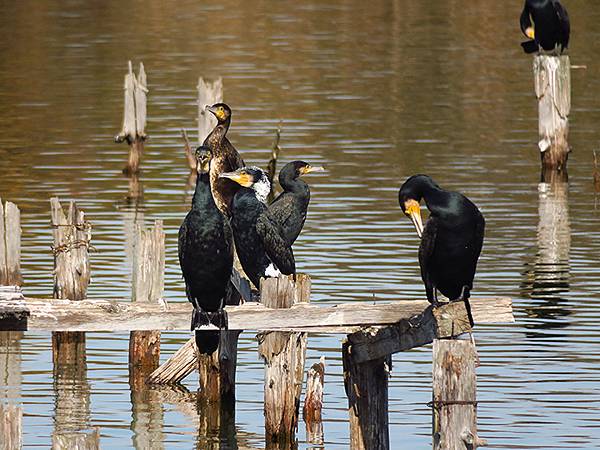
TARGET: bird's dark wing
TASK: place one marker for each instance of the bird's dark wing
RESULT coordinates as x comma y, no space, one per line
234,159
425,255
525,19
278,251
565,24
181,242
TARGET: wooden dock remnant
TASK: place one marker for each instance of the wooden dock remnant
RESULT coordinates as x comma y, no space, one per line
10,245
134,118
148,287
209,93
552,76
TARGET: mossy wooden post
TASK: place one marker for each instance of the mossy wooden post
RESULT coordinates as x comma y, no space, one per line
454,401
10,245
208,94
11,427
552,76
313,402
284,355
72,235
148,286
366,385
134,118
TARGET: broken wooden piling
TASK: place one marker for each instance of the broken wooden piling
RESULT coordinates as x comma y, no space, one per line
10,245
209,93
134,118
148,287
552,76
284,355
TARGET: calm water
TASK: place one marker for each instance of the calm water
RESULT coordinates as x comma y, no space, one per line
374,91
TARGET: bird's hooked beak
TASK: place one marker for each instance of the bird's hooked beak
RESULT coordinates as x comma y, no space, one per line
240,176
309,169
530,32
413,210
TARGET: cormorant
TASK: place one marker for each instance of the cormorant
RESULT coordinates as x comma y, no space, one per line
205,255
546,24
259,241
289,208
225,158
451,240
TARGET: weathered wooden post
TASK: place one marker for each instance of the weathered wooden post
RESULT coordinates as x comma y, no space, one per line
552,76
284,355
134,118
313,402
11,427
10,245
148,286
72,235
208,94
454,401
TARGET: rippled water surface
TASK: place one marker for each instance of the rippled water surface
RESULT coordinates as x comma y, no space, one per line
374,91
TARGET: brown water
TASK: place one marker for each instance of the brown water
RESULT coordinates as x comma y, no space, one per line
374,91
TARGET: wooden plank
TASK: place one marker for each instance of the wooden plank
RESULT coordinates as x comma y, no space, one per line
177,367
105,315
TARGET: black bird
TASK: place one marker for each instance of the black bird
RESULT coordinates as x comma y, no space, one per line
225,158
259,241
546,24
451,240
290,207
205,255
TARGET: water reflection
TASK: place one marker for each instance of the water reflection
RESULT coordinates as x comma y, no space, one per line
547,279
10,365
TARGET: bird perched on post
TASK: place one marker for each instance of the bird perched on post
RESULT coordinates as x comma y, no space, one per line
225,158
451,239
259,240
546,24
205,256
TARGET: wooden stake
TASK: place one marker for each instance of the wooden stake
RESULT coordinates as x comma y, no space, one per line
217,371
148,286
10,245
11,427
552,76
72,235
208,94
313,403
366,386
284,355
454,402
134,117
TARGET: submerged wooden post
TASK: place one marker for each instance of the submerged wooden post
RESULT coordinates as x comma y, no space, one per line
313,402
11,427
366,386
284,355
134,117
208,94
148,286
10,245
72,235
552,76
454,401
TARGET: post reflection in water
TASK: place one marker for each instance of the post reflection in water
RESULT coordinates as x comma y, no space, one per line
547,280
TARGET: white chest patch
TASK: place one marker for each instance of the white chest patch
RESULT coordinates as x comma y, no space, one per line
272,271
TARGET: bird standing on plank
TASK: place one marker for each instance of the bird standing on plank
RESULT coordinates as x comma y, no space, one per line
206,256
451,239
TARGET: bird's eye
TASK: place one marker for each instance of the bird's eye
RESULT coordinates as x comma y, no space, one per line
221,109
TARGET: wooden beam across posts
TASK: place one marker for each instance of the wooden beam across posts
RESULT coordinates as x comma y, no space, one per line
148,287
284,355
11,427
208,94
10,245
552,76
72,235
109,315
134,118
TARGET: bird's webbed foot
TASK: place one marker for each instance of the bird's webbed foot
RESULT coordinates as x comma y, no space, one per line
218,318
200,318
464,297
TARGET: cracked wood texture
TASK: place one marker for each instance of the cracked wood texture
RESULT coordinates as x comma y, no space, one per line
148,287
552,76
10,245
284,355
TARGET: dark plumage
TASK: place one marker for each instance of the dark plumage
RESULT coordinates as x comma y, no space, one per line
259,241
451,240
290,207
546,23
205,255
225,158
